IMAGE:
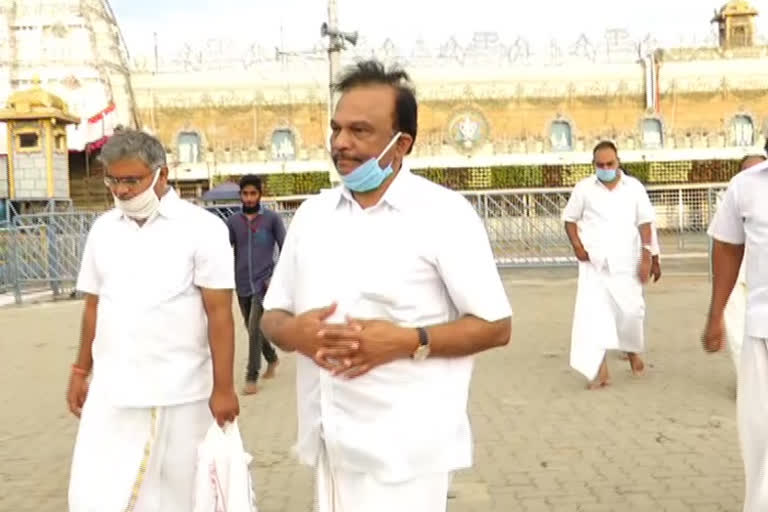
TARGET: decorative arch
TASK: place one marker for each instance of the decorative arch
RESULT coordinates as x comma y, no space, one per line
652,132
189,146
741,130
283,141
561,134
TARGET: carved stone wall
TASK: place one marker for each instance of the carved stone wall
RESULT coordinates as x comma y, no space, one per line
494,96
235,113
241,134
229,131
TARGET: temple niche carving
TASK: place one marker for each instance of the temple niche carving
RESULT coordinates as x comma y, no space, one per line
468,130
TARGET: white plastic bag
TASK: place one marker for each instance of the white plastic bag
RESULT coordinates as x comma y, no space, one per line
223,482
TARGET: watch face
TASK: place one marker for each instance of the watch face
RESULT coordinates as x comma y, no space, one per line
421,353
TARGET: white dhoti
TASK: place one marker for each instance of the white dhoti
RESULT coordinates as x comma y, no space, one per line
338,490
735,315
609,315
136,459
753,421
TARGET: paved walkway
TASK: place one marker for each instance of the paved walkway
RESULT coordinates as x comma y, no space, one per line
666,442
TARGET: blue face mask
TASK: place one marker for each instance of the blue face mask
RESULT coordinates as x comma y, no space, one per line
369,176
606,175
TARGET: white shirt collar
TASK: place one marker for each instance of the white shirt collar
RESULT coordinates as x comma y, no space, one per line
398,195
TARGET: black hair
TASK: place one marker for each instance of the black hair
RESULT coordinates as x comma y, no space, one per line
743,160
605,144
373,72
252,180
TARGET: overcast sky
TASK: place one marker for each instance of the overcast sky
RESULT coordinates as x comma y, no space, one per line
295,24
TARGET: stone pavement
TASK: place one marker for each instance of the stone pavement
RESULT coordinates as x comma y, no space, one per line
665,442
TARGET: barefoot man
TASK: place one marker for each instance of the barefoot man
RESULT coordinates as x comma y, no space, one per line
255,233
386,288
739,229
735,310
608,222
655,262
157,337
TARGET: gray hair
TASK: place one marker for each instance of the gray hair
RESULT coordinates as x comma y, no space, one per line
129,144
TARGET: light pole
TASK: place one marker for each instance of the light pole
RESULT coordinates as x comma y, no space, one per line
336,43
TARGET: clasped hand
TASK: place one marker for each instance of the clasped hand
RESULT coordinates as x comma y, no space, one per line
353,348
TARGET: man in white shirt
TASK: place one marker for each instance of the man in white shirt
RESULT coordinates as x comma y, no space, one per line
655,259
739,229
157,336
385,288
608,221
736,308
655,245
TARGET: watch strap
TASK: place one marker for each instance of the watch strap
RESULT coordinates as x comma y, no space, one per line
423,336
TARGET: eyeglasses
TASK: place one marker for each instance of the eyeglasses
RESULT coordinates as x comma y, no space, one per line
128,181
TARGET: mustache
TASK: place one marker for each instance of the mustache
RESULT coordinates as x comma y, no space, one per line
345,156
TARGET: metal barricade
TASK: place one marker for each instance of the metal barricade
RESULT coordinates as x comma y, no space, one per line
525,227
42,251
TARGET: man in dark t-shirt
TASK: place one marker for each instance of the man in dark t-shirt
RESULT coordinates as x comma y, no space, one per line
254,231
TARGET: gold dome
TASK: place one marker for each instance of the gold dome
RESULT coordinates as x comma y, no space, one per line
37,103
735,8
36,97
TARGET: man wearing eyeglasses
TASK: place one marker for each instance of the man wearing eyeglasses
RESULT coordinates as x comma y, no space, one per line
157,339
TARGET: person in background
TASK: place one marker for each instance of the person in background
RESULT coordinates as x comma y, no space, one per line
608,222
255,231
655,246
655,259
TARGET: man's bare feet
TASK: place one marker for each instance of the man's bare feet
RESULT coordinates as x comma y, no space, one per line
271,368
598,384
637,365
250,388
603,377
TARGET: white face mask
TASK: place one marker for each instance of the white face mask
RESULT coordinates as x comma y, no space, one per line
143,205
